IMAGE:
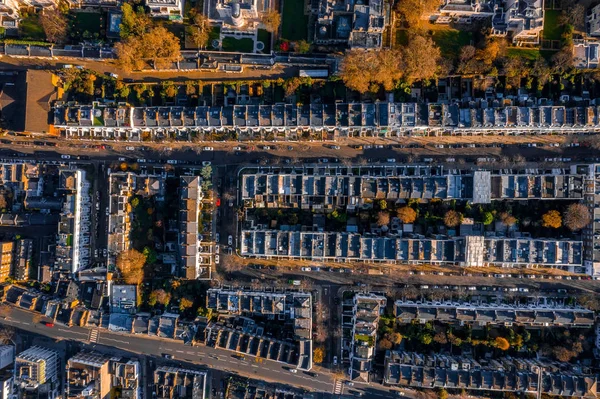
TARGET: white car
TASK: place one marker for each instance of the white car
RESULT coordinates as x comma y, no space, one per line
206,163
141,160
293,371
171,162
64,156
237,148
207,149
230,240
306,269
217,248
335,147
217,237
335,360
216,259
130,148
121,159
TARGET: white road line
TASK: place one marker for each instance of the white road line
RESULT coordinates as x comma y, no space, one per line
72,332
116,340
254,366
179,351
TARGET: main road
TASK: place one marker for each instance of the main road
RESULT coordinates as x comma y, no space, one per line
270,371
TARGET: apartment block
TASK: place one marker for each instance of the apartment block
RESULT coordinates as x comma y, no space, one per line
329,121
6,259
93,375
22,259
176,382
284,307
367,308
521,20
37,366
483,314
408,369
7,356
74,228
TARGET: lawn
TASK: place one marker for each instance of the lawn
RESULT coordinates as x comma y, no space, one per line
552,29
530,54
244,45
265,37
450,41
30,28
294,22
215,34
90,22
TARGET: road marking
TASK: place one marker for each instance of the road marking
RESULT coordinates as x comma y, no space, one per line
94,335
179,351
254,366
338,387
116,340
73,332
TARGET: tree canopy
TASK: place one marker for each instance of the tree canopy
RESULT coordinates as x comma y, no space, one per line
552,219
131,265
54,23
576,217
452,218
365,71
271,20
407,214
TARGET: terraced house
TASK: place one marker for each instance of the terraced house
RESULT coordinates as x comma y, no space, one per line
317,121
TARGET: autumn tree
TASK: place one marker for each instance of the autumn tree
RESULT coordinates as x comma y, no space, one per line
420,58
563,60
302,46
502,343
552,219
396,338
199,31
452,218
442,393
411,11
365,71
318,355
271,20
440,338
159,296
3,202
185,304
507,219
542,72
383,218
576,217
7,333
131,265
384,343
54,23
157,47
407,214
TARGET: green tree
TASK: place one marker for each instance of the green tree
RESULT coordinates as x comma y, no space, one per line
135,202
488,218
383,204
302,46
206,172
133,23
442,393
150,255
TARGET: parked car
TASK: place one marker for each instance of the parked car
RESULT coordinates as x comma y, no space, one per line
217,237
130,148
207,149
64,156
230,240
335,360
206,163
217,259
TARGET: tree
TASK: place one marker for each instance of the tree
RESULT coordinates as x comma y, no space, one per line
420,58
131,265
206,172
133,23
365,71
199,32
426,339
7,334
452,218
3,202
385,344
185,304
396,338
54,23
383,218
562,60
157,47
502,343
562,354
442,393
411,11
440,338
318,355
507,219
302,46
488,218
382,204
407,214
271,20
552,219
168,90
122,90
576,217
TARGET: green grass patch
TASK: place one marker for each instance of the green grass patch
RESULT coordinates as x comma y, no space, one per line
30,28
294,23
215,34
450,41
552,29
265,37
530,54
90,22
401,38
244,45
69,240
98,121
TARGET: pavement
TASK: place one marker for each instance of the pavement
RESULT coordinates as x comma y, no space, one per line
199,356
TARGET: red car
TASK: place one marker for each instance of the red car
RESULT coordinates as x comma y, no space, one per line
218,201
49,324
